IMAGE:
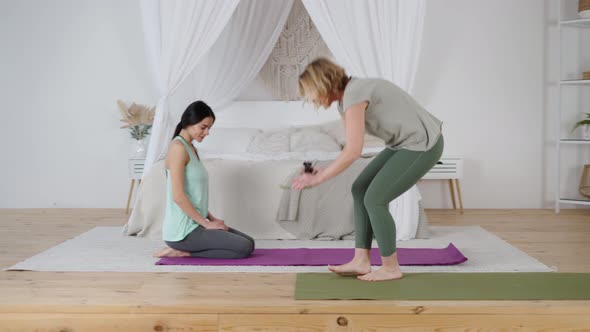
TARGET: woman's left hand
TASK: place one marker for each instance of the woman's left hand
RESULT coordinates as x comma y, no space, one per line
305,180
221,222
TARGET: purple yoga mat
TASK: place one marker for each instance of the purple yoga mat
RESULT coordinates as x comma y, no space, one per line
325,256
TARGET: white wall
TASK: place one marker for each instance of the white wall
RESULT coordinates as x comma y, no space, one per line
481,72
64,63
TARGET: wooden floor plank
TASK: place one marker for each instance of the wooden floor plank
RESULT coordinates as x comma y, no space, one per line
108,322
560,240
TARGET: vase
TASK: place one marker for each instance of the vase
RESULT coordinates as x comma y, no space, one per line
586,132
139,149
585,181
584,8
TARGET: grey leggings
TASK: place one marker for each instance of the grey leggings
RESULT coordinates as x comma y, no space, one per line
215,243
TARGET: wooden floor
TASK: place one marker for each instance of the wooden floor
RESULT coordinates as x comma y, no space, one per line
104,301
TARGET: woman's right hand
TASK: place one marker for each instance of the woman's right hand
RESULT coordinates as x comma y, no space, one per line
216,224
316,170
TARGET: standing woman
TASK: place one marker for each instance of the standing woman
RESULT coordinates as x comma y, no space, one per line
189,228
414,145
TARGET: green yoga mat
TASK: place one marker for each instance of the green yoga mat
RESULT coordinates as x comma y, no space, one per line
447,286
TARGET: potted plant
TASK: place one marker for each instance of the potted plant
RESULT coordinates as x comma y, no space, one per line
585,124
139,120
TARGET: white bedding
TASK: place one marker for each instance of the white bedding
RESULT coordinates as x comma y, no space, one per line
246,194
247,156
297,155
247,167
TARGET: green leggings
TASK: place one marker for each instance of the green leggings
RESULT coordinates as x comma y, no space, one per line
388,176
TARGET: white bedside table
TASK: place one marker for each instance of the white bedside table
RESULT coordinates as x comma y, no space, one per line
135,172
450,168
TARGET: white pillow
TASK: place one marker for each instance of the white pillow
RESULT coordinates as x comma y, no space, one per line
228,140
336,130
371,152
312,139
271,141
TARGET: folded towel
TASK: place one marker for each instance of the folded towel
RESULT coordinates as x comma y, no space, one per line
289,205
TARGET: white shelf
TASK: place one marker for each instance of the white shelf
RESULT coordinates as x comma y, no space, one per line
563,24
574,141
575,82
577,23
576,201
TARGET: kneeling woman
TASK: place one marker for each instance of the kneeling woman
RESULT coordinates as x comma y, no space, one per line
189,227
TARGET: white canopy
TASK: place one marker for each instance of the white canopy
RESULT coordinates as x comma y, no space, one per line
211,50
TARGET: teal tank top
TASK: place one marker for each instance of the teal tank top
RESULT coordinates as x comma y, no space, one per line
177,225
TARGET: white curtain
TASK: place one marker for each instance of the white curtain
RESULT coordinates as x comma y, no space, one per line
230,63
177,33
372,38
377,38
237,56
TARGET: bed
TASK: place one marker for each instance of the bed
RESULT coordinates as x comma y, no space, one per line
252,152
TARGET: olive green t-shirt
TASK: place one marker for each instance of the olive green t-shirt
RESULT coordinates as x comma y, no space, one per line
392,114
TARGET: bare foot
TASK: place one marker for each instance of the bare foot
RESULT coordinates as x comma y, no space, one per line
382,274
355,267
169,252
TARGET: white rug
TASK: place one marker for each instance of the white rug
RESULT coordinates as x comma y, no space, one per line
106,249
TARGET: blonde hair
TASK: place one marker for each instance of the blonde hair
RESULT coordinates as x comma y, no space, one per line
324,77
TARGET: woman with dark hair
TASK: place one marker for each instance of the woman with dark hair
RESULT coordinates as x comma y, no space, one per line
189,228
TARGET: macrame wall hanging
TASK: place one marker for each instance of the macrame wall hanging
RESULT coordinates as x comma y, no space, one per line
299,44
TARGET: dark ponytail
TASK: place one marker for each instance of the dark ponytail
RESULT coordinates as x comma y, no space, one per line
177,130
194,113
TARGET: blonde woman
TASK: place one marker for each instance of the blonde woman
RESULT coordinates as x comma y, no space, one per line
414,145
